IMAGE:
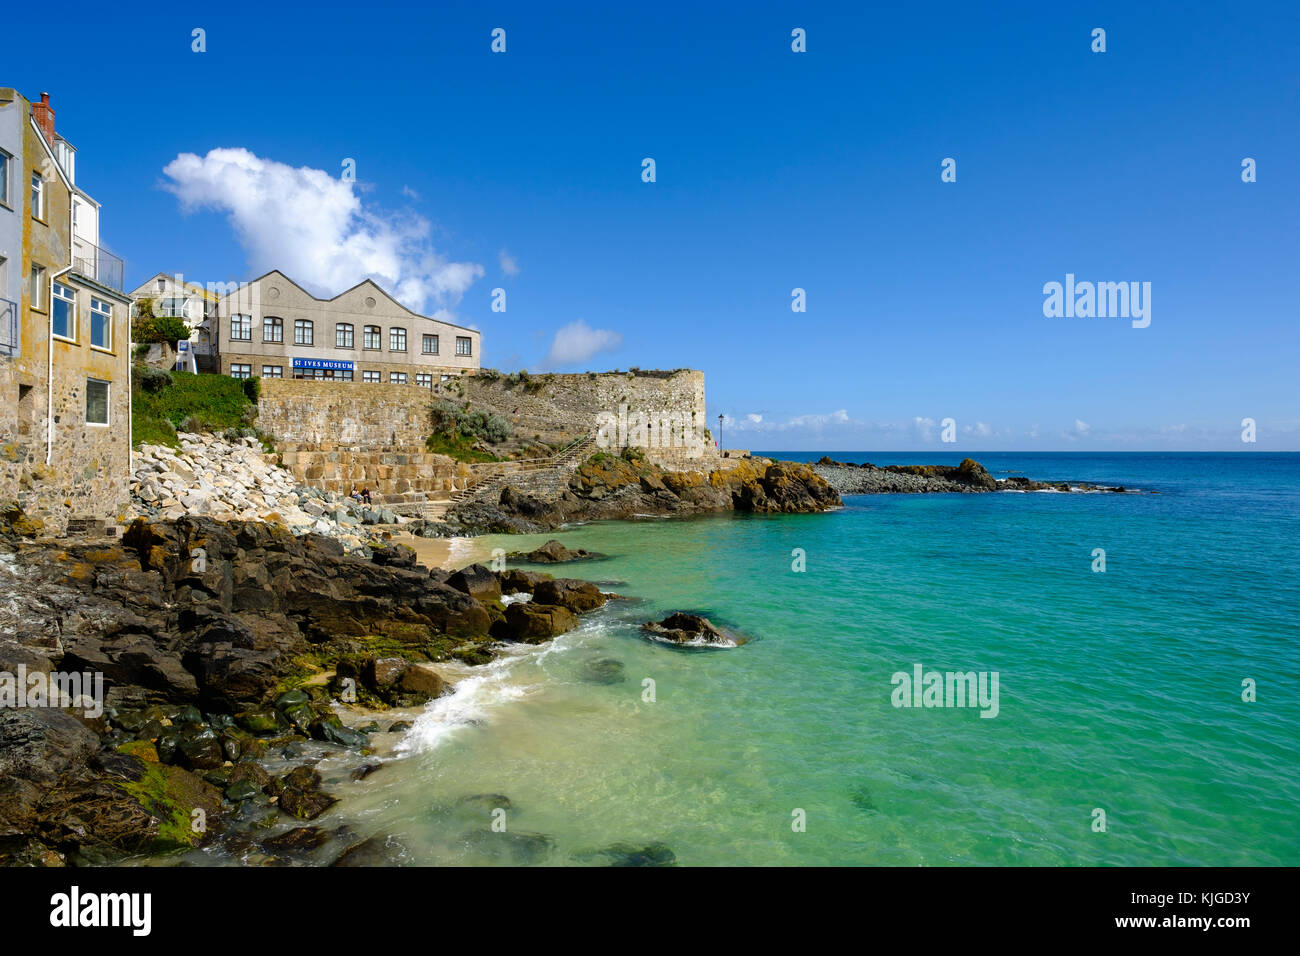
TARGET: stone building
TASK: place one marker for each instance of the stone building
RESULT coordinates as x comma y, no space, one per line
273,328
65,390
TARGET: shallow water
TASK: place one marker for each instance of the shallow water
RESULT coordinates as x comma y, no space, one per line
1118,691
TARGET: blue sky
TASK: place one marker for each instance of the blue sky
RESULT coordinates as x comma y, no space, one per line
775,170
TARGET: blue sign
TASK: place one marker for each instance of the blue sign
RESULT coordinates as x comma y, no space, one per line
322,363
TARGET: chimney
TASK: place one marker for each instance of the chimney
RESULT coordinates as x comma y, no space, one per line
43,113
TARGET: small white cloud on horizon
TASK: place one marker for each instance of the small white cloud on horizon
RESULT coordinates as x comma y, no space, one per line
410,193
1081,429
755,419
313,227
509,265
577,342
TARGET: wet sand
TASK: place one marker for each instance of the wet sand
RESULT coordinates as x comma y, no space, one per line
449,553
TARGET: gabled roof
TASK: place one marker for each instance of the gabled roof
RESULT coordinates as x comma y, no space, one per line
364,282
191,287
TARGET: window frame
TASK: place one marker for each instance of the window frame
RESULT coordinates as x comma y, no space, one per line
246,325
5,159
395,333
71,300
424,344
304,332
36,288
394,380
469,346
372,377
272,324
38,197
275,371
108,403
107,313
340,330
241,370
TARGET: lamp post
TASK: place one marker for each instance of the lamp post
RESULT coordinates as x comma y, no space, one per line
719,439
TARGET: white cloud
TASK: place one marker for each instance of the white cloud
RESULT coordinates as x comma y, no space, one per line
577,342
812,422
1081,429
508,263
410,193
313,227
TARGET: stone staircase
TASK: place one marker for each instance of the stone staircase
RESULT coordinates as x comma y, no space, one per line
544,477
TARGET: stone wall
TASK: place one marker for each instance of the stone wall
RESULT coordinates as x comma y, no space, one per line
554,408
626,408
357,415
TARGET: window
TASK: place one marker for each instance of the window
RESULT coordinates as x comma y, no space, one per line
370,376
302,332
464,345
239,370
272,371
324,374
96,402
430,346
343,336
37,291
272,329
396,378
424,380
38,196
101,324
397,340
241,328
63,311
4,176
371,340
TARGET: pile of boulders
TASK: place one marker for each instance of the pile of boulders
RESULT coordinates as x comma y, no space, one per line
233,479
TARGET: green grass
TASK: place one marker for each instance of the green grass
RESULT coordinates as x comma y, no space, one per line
214,402
458,446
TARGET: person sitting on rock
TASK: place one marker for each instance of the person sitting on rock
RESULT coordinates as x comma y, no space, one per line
365,495
355,495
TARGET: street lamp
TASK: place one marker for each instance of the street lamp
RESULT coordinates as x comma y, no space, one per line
719,438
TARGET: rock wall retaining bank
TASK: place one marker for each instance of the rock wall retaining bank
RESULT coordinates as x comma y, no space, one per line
234,480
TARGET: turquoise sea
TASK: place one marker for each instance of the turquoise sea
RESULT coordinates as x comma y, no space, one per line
1119,691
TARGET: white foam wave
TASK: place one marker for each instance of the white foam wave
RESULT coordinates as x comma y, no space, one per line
470,703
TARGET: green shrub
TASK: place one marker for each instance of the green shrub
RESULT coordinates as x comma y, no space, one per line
153,379
160,328
488,374
253,388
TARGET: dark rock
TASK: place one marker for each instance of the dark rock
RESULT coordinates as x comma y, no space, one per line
627,854
476,581
553,552
577,596
684,628
534,623
606,670
514,846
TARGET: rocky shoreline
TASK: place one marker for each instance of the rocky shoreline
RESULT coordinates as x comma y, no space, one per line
624,487
969,477
221,645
